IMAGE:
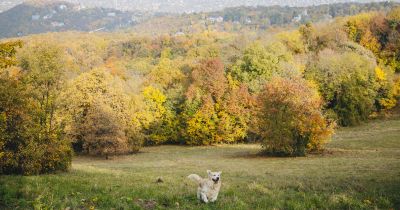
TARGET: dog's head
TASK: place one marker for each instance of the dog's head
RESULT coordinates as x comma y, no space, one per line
215,176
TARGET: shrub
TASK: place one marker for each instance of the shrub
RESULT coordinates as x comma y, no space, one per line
36,157
289,118
103,132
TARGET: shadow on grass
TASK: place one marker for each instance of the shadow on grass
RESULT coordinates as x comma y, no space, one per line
256,155
85,157
329,152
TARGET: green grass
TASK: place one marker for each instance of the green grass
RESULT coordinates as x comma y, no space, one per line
359,170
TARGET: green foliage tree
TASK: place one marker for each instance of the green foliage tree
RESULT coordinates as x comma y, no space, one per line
289,118
260,63
347,83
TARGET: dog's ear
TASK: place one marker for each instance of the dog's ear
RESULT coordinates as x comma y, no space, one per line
208,172
220,172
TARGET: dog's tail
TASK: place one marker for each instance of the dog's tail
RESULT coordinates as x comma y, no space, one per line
194,177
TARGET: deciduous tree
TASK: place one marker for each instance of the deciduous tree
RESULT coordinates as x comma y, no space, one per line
289,118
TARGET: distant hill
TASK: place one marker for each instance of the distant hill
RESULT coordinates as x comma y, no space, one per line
277,15
32,18
42,16
256,18
181,6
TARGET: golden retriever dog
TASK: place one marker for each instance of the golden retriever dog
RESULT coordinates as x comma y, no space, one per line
209,187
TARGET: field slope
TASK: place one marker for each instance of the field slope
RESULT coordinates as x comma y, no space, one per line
359,170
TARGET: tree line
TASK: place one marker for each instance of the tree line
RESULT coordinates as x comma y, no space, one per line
111,94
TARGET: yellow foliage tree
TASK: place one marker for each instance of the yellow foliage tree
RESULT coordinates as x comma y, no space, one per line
93,101
158,122
293,41
166,73
370,42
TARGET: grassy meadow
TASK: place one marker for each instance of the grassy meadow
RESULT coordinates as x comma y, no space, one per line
359,170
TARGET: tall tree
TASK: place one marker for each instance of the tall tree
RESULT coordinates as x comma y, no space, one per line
98,117
347,83
34,140
216,109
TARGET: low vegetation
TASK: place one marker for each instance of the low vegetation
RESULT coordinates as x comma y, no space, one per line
359,170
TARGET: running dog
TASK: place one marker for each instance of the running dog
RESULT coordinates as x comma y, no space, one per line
208,188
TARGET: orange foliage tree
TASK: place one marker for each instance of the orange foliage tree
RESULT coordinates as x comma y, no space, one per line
215,109
290,119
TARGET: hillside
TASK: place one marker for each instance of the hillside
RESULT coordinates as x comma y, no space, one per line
29,18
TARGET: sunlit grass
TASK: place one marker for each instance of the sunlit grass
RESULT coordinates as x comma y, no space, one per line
359,170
